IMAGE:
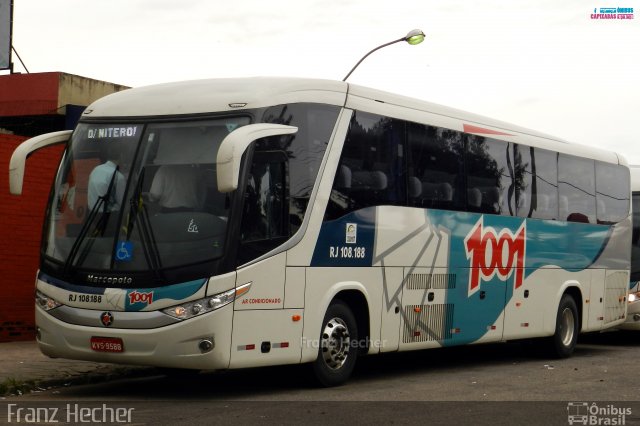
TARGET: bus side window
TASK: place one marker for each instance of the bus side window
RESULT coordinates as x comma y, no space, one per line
490,166
434,167
576,184
370,172
537,183
265,216
612,193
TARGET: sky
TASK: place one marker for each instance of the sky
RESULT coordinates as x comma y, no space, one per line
545,65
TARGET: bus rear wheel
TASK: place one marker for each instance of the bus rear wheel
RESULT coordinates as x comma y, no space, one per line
563,342
337,351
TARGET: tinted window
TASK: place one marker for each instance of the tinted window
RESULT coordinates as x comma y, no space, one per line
435,164
490,176
576,189
612,192
304,150
371,168
265,198
537,183
282,175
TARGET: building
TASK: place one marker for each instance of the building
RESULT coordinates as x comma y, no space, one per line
32,104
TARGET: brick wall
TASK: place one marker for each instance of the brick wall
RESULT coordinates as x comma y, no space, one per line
20,232
29,94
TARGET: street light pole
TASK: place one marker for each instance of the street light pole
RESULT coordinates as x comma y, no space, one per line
413,37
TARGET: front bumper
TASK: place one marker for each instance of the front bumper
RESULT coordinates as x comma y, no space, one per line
174,346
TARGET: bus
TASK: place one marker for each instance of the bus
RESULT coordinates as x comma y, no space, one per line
633,308
231,223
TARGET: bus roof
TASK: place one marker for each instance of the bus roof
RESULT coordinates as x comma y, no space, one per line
236,94
216,95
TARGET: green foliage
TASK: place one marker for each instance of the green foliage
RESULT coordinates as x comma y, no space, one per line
13,386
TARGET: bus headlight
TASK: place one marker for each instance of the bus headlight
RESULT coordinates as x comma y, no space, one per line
634,297
210,303
46,302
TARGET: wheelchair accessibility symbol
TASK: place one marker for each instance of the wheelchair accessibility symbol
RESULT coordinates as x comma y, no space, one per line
124,251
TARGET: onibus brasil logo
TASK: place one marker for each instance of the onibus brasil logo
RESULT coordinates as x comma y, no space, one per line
612,13
494,253
584,413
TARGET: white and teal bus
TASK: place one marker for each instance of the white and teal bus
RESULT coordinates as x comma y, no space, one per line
232,223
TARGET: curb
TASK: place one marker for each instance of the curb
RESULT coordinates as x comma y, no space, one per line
17,387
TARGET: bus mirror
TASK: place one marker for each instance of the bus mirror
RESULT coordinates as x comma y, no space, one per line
235,144
24,150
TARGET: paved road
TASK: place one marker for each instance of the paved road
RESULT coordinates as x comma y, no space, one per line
486,384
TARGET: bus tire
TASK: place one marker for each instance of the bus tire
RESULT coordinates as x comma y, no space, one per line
563,342
338,350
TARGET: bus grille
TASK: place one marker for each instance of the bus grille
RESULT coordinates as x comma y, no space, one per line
615,300
425,323
431,281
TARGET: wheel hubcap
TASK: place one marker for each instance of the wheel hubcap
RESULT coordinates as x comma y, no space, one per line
335,343
567,326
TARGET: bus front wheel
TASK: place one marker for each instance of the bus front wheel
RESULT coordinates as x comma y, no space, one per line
337,351
563,342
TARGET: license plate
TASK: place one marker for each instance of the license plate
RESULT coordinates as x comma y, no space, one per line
107,344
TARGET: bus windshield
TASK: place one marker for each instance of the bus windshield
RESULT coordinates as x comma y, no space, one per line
133,197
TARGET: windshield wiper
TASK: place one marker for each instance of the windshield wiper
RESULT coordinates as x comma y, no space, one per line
101,202
149,244
138,214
